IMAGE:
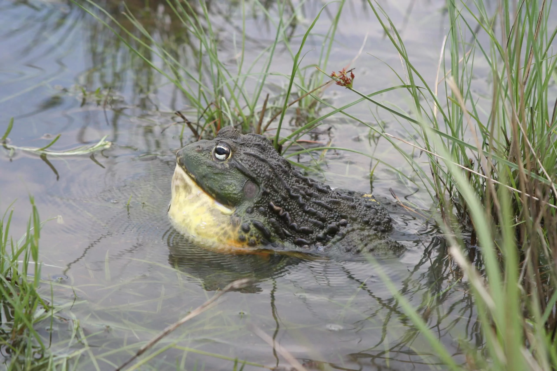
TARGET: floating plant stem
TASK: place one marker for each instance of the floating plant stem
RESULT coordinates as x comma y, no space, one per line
78,151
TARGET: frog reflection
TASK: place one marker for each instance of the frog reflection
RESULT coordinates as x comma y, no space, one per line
215,269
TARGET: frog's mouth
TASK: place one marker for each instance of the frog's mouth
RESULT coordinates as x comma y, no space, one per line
199,216
183,177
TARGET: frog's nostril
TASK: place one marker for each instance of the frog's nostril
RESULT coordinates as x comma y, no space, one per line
198,149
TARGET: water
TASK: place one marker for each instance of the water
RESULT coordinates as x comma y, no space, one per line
113,262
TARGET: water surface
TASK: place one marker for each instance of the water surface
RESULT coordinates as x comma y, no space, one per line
111,258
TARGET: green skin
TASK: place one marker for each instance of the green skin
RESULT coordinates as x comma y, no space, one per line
277,207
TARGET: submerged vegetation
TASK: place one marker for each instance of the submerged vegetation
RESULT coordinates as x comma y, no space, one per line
490,148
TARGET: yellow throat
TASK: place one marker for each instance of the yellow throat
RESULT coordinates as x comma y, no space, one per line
200,217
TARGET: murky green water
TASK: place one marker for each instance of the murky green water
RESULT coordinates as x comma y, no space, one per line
116,266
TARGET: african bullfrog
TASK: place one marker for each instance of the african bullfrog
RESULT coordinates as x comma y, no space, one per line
237,192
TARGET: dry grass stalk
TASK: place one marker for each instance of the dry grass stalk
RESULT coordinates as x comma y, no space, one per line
238,284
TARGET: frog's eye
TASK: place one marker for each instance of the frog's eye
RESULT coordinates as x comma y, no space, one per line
221,152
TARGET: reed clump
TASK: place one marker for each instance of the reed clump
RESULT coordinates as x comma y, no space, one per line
218,93
21,306
493,171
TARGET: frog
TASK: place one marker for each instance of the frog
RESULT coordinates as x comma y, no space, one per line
237,193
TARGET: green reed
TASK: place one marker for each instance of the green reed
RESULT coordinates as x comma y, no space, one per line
20,304
493,167
219,94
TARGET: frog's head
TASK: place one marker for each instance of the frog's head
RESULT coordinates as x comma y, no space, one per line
229,167
218,183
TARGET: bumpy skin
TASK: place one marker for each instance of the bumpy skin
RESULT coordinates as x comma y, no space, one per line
276,207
